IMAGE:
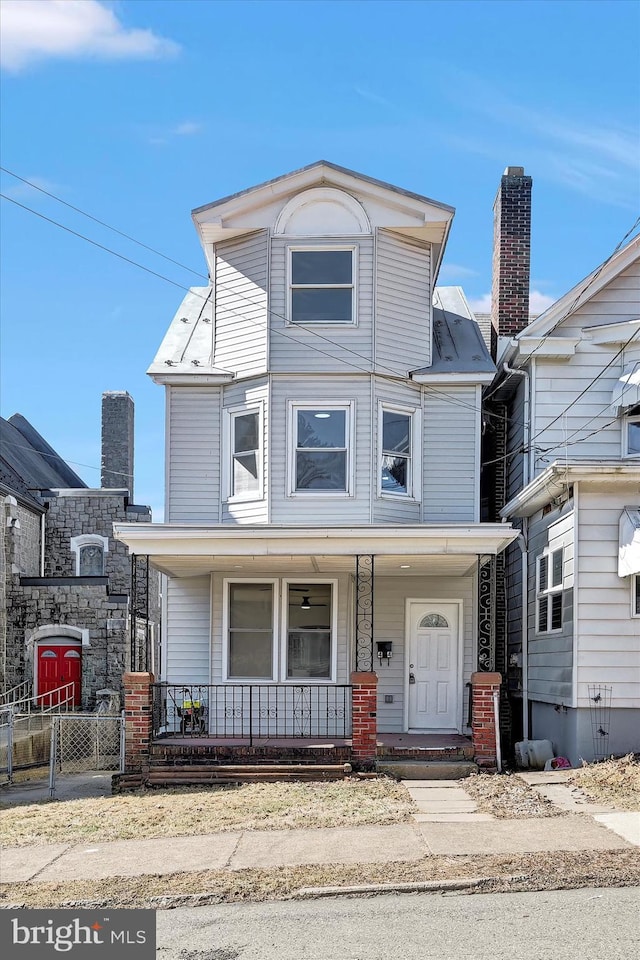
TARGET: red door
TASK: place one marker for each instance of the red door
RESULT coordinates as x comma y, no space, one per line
58,665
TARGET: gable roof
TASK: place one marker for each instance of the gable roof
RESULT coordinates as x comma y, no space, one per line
386,206
583,291
302,175
28,462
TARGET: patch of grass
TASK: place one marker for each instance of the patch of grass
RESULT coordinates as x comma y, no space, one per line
192,811
532,871
612,782
508,797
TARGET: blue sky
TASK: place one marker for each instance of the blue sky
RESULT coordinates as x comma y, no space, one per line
136,112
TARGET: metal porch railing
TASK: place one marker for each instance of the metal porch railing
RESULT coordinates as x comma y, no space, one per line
252,711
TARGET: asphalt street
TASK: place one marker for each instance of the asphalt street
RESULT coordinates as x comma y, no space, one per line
603,924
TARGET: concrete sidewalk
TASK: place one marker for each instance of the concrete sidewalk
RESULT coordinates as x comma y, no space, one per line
446,823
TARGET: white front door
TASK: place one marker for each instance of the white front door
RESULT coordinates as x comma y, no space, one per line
434,683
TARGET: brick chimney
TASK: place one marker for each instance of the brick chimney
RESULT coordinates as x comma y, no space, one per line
117,441
511,254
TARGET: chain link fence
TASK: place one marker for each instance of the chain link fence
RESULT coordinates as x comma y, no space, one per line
84,742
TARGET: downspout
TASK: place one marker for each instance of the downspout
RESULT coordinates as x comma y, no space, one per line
522,543
42,536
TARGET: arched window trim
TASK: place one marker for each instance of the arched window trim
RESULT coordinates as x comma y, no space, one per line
88,540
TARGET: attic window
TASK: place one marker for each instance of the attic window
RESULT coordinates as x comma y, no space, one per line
322,287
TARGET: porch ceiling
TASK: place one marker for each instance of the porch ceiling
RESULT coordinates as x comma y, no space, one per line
398,566
423,550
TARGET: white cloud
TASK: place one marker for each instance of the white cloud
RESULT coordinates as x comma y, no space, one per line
187,128
35,30
538,303
17,188
454,271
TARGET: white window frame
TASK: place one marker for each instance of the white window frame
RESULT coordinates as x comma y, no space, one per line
414,473
348,406
321,248
625,436
280,628
89,540
635,595
552,589
285,631
230,413
231,581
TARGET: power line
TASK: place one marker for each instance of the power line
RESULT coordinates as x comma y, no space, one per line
455,400
102,223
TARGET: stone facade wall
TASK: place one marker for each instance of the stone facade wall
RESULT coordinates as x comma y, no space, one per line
19,554
86,607
98,608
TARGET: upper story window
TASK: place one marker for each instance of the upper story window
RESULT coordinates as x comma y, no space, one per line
322,288
549,592
321,456
635,595
89,550
243,441
398,475
632,435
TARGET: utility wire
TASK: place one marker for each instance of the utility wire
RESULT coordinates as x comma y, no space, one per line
392,375
102,223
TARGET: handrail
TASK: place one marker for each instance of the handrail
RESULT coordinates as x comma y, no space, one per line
21,691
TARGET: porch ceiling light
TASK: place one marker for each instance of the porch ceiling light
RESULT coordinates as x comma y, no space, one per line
305,605
405,566
322,416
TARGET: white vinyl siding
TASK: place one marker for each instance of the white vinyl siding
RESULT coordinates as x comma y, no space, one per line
331,348
450,455
193,469
254,394
403,303
551,653
186,657
558,384
391,594
241,304
322,508
609,637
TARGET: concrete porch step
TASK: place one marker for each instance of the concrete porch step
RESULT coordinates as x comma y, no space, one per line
201,774
408,769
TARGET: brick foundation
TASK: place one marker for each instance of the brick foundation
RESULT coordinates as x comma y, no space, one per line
137,721
483,725
364,718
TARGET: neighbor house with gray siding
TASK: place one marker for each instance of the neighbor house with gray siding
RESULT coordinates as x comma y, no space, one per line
323,441
569,383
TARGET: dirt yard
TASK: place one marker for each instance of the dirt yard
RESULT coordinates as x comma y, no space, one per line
614,782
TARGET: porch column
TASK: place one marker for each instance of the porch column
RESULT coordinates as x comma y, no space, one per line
364,613
363,717
483,723
137,721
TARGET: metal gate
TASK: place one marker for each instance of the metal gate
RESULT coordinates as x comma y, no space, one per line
81,742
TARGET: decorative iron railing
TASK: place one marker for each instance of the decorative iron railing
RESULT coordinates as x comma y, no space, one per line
251,711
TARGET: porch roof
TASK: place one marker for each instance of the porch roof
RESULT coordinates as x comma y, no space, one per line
428,549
